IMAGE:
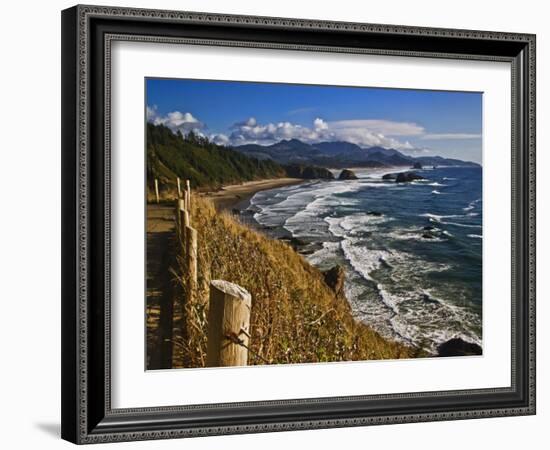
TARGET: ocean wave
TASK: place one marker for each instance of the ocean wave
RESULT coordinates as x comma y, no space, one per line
411,266
437,218
374,184
475,236
326,255
298,208
308,221
436,192
471,205
354,224
390,300
418,317
362,259
407,310
416,235
355,221
464,225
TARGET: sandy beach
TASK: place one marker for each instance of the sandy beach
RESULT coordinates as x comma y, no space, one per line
238,195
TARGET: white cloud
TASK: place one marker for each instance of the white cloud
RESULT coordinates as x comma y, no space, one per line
320,124
251,132
435,136
365,133
220,139
175,120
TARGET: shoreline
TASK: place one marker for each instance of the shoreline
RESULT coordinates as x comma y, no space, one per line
237,196
305,246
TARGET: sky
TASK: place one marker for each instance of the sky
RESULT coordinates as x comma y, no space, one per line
415,122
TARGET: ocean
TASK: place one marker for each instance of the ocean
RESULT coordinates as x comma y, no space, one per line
412,252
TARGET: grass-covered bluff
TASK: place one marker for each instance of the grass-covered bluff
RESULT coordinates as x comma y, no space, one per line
296,317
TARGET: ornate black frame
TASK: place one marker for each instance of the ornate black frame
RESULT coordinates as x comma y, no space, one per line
87,31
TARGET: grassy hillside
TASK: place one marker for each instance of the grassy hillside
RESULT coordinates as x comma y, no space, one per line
207,165
296,317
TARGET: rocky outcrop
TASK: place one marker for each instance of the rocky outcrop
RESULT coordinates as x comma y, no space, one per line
308,172
458,347
334,278
402,177
296,243
406,177
417,165
347,174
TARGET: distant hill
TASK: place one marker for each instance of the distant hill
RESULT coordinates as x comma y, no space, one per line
284,152
340,154
210,166
439,161
205,164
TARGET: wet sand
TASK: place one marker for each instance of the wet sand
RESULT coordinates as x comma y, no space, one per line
237,196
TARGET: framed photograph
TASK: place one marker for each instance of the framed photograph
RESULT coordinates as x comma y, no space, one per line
281,224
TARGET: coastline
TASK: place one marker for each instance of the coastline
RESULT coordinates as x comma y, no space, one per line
420,235
237,196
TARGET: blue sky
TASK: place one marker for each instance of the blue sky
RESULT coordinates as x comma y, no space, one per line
415,122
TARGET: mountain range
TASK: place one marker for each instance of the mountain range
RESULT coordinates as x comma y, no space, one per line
340,154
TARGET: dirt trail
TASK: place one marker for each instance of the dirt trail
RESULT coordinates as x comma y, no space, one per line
161,287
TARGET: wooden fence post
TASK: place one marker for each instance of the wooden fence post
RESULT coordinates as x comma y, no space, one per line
179,187
185,221
157,190
180,229
228,325
184,198
191,255
188,194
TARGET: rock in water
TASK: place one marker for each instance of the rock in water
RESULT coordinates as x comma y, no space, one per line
308,172
294,242
347,174
458,347
389,176
417,165
405,177
334,278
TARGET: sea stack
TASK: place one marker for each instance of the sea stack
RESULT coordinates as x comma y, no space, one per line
458,347
347,174
406,177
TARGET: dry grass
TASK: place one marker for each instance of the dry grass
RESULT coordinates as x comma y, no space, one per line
295,315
